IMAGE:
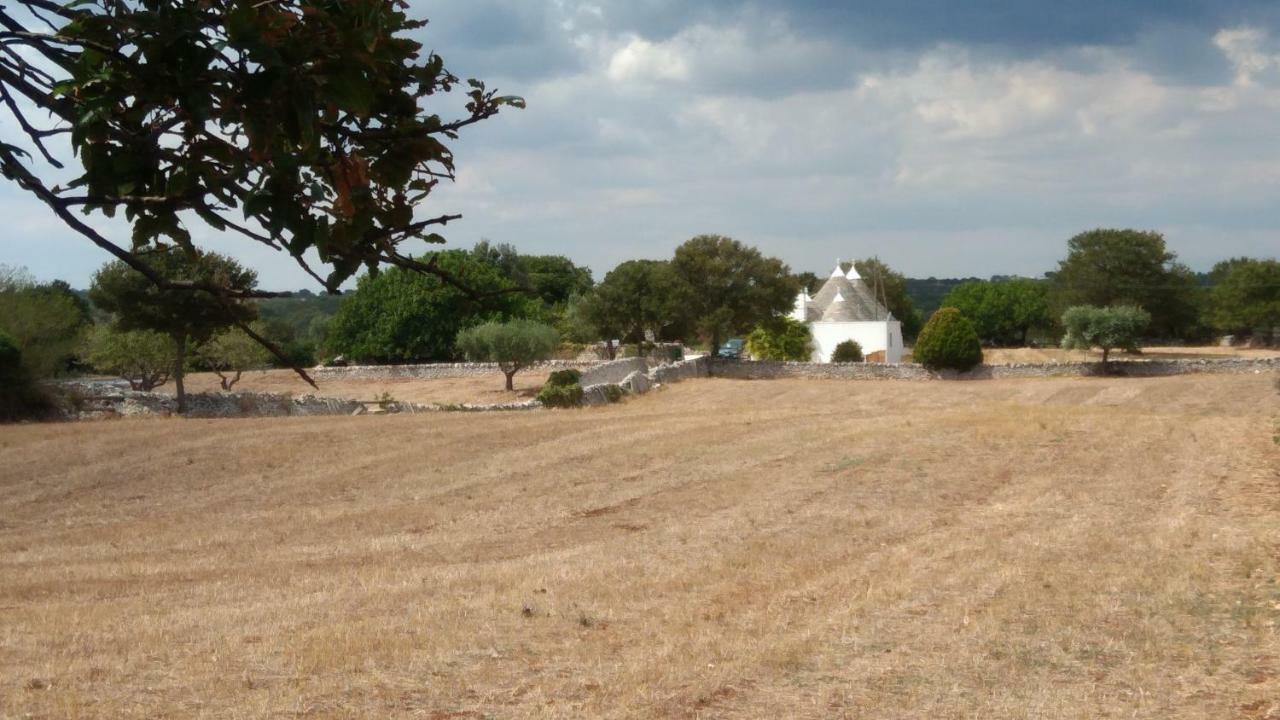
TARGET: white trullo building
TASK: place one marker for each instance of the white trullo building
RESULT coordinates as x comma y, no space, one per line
845,308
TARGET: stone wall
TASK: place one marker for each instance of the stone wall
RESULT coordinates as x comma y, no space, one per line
613,371
763,370
683,370
433,371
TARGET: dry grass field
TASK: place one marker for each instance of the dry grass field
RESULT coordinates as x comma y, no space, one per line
1066,548
1037,355
484,389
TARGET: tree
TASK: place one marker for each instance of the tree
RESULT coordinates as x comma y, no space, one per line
297,124
229,353
1246,296
726,287
44,321
1106,328
1003,312
187,318
643,297
847,351
401,316
890,287
948,340
1128,267
512,345
145,358
780,338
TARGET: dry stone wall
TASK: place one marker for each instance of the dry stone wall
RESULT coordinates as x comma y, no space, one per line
764,370
432,371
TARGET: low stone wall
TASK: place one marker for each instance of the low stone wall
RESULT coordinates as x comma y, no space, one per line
433,371
613,372
126,403
764,370
677,371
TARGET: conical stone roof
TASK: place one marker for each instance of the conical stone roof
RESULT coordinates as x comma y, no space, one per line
857,302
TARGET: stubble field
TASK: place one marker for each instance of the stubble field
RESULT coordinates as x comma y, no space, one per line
1066,548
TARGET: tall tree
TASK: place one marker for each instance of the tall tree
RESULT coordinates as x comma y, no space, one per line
403,316
1245,298
187,318
641,296
1003,312
727,287
303,125
1128,267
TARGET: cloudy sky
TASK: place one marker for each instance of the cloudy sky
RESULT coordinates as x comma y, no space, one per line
949,138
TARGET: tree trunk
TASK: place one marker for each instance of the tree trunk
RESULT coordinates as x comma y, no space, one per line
1105,353
181,346
608,346
510,374
1024,336
715,343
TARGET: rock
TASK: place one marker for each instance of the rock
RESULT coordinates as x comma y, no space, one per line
637,383
359,411
1227,340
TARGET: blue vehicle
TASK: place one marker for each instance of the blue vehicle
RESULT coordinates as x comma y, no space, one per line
732,348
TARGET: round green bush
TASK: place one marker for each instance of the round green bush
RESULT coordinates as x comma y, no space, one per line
560,396
848,351
565,377
948,341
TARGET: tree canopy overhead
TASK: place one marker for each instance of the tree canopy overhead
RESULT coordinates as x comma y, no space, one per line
311,126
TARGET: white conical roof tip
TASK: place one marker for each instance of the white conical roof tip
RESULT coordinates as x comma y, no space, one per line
837,272
853,272
838,297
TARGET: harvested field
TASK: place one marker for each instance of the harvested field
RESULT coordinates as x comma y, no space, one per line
483,389
1059,548
1039,355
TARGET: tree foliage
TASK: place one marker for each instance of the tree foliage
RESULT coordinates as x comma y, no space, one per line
640,297
1003,312
1246,296
1106,328
187,318
144,358
314,127
726,287
848,351
44,321
19,396
780,338
948,341
512,345
1128,267
231,352
401,316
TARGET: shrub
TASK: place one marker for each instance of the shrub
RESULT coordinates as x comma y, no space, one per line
848,351
780,338
949,341
560,396
19,397
565,377
143,357
612,393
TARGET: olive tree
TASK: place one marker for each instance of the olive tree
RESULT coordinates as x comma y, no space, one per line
187,318
230,353
512,345
144,358
1106,328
